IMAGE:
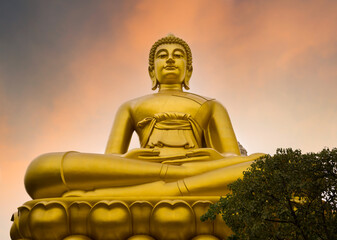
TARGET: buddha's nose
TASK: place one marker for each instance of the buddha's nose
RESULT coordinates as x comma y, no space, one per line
170,60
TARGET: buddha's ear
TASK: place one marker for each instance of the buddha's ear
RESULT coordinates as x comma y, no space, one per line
153,78
188,75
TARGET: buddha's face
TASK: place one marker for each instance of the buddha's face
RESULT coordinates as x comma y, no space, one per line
170,64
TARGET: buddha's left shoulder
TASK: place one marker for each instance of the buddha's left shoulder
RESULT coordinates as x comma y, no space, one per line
194,97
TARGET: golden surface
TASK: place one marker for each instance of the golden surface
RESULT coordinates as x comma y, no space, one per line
121,218
187,148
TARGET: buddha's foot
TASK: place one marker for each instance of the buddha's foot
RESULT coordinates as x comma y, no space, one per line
75,193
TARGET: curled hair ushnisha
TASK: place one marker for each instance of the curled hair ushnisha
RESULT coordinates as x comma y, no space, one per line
170,38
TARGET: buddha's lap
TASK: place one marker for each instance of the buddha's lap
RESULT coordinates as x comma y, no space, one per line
85,171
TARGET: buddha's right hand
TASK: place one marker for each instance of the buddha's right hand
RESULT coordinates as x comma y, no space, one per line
211,153
142,153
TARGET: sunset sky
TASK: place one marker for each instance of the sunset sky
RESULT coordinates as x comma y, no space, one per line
66,67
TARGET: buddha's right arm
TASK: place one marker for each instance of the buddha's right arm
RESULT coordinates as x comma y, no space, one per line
121,131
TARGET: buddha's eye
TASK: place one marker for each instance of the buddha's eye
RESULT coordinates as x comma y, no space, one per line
162,55
178,55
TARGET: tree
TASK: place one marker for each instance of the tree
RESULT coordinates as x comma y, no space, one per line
286,196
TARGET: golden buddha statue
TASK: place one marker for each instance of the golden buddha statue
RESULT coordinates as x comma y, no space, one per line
188,146
188,156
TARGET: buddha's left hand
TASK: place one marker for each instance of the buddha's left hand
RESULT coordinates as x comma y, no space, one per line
141,153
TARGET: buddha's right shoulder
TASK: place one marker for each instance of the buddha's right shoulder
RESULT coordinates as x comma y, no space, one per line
131,104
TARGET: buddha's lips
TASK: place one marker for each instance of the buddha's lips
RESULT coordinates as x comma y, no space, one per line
170,67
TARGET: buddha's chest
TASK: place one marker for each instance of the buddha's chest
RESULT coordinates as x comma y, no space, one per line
166,104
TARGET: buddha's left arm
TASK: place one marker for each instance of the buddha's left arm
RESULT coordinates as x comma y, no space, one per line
219,133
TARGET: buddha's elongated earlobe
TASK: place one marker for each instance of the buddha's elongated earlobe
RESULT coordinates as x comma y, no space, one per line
186,82
154,84
153,78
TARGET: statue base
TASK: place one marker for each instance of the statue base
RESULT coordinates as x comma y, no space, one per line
91,218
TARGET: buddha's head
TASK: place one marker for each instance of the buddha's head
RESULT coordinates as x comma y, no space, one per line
170,62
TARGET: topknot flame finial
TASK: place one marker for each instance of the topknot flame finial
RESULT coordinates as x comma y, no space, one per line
170,35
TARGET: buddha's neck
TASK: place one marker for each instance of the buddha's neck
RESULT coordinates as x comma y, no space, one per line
170,87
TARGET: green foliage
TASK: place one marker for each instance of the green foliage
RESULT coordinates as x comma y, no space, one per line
286,196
